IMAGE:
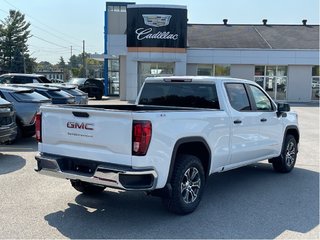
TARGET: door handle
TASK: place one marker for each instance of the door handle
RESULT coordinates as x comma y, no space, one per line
81,114
237,121
263,120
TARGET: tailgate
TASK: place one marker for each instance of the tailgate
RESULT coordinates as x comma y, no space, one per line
87,133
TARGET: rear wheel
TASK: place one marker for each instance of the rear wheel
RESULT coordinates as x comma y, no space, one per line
188,181
87,188
286,161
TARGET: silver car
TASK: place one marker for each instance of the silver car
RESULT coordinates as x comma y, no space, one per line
26,103
80,96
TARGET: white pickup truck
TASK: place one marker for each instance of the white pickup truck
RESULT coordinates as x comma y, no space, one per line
180,131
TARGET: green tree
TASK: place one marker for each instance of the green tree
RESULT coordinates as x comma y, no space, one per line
61,63
14,35
30,63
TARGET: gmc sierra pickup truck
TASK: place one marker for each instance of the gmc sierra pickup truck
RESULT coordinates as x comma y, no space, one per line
179,131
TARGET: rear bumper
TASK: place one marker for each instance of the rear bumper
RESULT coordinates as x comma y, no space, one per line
110,175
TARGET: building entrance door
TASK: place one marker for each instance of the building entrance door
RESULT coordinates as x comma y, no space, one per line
153,69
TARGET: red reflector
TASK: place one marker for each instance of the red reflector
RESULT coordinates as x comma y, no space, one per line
38,127
141,137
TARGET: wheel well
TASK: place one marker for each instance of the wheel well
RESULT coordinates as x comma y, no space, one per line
198,149
294,133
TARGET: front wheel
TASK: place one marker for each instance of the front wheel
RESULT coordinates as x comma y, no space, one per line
286,161
87,188
188,181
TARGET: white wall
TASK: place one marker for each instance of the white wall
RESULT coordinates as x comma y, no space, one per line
123,77
253,56
242,71
192,69
299,83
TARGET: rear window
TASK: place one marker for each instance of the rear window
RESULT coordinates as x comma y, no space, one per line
29,97
74,92
180,95
43,79
59,94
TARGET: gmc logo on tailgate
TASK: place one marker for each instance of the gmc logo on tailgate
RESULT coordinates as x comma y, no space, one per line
85,126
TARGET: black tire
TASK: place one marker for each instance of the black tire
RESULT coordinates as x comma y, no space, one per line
188,182
286,161
87,188
98,97
19,133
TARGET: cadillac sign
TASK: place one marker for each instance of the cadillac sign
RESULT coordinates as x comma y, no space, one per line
156,27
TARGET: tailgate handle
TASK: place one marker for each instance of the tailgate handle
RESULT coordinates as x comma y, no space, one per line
81,114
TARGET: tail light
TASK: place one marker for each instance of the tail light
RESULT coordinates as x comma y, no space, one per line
38,127
141,137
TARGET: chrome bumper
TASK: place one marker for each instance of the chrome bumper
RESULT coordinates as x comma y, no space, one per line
110,175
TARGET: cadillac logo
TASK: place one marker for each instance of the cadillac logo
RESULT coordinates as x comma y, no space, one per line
156,20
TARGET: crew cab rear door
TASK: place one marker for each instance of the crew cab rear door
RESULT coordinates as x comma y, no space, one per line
255,133
87,133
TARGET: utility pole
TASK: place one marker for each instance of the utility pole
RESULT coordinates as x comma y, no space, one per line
84,59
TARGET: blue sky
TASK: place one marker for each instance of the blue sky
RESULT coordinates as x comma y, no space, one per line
56,25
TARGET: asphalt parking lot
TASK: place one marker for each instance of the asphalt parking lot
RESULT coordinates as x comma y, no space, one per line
251,202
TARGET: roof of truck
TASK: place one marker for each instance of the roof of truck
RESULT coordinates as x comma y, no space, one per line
193,79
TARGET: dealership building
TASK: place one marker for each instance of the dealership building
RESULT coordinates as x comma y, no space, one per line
158,40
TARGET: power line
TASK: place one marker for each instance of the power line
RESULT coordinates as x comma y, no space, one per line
49,42
64,34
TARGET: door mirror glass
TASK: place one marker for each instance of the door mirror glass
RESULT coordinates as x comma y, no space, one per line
283,107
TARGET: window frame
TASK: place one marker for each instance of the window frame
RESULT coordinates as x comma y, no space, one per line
248,96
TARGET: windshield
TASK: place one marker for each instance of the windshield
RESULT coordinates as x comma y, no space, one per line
180,95
29,97
77,80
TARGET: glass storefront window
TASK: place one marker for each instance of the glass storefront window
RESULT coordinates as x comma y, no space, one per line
213,70
259,70
222,70
273,79
113,76
315,84
205,70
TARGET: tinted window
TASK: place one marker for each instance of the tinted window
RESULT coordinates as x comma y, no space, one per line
262,102
74,92
21,79
59,94
180,95
28,97
43,79
5,80
238,96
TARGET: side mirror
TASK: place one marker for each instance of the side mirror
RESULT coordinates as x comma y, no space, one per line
282,108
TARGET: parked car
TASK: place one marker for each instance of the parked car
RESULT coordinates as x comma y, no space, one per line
26,103
56,95
8,127
80,96
92,86
22,78
180,131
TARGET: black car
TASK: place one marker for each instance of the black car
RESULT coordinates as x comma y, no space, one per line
94,87
22,78
56,95
8,127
